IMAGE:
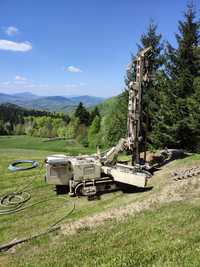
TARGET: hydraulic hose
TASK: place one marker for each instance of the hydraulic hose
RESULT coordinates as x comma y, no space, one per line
50,229
14,201
14,166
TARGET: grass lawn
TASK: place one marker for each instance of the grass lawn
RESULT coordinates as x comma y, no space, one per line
166,235
28,142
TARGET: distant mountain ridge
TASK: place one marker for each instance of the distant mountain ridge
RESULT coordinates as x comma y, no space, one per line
25,95
49,103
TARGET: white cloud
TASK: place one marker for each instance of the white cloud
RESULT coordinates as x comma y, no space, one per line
73,69
20,78
11,30
15,46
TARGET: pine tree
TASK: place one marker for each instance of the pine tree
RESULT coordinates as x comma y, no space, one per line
153,39
183,68
186,57
82,113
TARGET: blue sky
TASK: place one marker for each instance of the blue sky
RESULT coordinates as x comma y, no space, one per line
65,47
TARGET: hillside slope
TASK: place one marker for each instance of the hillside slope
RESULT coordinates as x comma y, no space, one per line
106,106
156,227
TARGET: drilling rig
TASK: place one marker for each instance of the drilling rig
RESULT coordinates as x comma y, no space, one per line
90,175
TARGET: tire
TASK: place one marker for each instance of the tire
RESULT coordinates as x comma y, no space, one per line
62,189
79,190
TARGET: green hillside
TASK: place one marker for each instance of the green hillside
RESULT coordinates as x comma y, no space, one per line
107,105
152,228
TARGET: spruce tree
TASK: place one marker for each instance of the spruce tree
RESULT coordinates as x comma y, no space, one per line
183,68
153,39
186,62
149,101
82,114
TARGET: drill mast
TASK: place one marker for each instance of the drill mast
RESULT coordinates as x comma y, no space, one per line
132,141
134,105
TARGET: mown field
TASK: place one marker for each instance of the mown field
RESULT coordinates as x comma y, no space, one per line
166,234
36,143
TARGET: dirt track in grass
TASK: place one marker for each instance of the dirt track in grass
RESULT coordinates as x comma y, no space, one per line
171,191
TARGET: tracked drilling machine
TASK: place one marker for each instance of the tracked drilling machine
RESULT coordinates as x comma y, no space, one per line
90,175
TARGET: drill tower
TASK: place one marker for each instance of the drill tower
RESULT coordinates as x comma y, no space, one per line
141,64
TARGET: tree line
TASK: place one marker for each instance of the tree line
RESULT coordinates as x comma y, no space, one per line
82,125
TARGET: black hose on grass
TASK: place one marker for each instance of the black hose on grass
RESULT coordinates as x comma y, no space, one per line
14,202
50,229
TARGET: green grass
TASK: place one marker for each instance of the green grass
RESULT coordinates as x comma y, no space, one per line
37,143
167,235
39,217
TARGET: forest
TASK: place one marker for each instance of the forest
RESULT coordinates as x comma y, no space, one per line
170,104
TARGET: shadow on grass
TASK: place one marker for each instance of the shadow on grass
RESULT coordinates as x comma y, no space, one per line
127,189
